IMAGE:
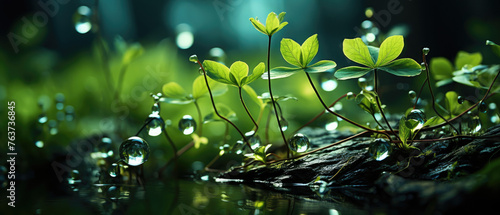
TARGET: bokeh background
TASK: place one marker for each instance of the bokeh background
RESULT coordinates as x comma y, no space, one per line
52,67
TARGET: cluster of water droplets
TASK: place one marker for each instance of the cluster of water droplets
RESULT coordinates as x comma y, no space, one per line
63,114
379,149
155,123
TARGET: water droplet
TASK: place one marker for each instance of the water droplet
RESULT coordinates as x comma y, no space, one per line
224,148
495,119
492,106
319,186
193,58
379,149
53,127
187,125
350,95
253,139
460,100
483,107
284,124
39,144
114,170
412,94
239,147
59,101
370,37
369,12
155,109
367,24
329,85
422,65
74,177
418,116
42,118
299,143
474,125
362,83
331,125
82,19
217,54
156,97
426,51
134,151
185,37
113,193
155,125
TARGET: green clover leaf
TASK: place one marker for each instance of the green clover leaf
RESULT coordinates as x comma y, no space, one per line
236,75
300,56
173,93
372,58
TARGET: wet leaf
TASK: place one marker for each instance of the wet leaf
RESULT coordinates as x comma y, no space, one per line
390,49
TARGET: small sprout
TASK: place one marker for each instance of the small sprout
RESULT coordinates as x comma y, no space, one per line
274,23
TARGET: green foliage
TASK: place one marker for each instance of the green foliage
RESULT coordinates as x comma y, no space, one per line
174,93
367,100
494,47
274,23
372,58
260,153
236,75
300,56
224,111
452,106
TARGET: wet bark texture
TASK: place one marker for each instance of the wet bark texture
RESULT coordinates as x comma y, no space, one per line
442,175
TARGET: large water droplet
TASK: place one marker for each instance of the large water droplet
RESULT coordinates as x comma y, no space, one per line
329,84
134,151
187,125
185,37
299,143
418,116
253,139
82,19
155,125
379,149
460,100
474,125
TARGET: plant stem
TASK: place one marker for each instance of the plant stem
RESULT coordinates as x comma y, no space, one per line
144,126
215,108
200,118
380,106
246,109
272,97
338,115
432,94
266,134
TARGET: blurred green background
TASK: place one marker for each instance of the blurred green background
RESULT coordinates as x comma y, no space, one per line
48,53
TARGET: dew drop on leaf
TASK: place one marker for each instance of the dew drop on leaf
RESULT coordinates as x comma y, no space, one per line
134,151
187,125
299,143
460,100
418,116
284,124
379,149
82,19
